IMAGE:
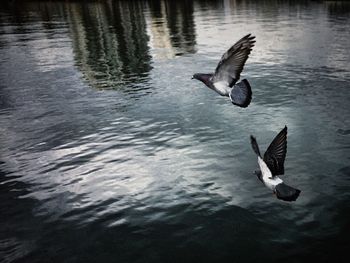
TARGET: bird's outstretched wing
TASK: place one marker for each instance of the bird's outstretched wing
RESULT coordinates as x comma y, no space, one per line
232,61
255,145
276,153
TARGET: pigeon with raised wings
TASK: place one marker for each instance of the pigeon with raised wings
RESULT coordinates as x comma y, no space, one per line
272,165
228,71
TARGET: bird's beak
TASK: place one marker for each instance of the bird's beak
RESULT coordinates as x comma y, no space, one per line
192,77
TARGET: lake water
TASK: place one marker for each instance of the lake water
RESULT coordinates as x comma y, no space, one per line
109,152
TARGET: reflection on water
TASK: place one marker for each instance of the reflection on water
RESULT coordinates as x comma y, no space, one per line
172,28
109,152
110,42
338,9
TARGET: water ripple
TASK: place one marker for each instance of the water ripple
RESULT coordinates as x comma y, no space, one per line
110,152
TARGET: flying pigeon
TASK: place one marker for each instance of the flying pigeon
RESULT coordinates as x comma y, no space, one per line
228,71
272,165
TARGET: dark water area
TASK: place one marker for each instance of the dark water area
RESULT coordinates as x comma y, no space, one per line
109,152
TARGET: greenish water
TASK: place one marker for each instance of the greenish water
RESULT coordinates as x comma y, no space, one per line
109,152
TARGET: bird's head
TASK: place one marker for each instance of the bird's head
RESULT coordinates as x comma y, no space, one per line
195,76
205,78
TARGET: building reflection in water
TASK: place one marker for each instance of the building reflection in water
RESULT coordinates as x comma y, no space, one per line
116,42
171,28
110,42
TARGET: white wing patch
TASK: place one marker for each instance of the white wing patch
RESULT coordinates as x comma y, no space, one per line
269,180
222,87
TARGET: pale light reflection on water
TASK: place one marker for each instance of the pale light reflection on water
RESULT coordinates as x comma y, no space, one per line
109,152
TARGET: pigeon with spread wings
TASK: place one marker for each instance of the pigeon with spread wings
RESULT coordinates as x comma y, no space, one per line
228,72
272,165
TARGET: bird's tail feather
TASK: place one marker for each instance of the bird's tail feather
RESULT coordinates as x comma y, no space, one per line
286,192
241,94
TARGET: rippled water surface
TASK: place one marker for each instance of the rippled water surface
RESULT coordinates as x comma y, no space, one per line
109,152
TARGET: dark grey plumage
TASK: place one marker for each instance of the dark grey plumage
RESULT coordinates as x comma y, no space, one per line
228,71
286,192
232,61
272,165
276,153
241,94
